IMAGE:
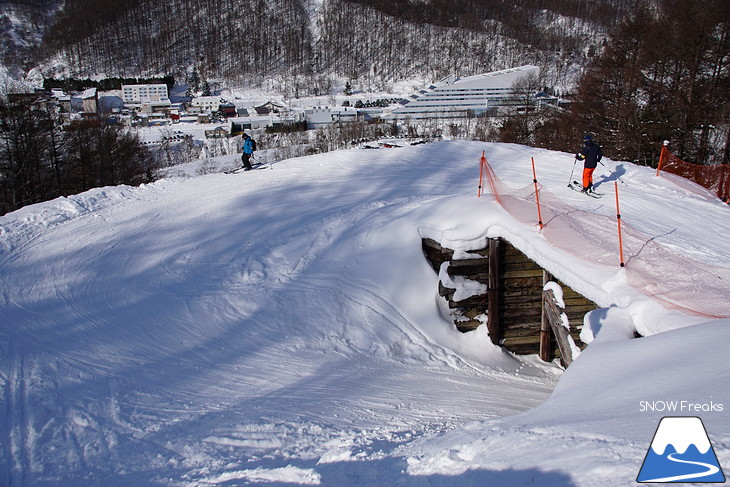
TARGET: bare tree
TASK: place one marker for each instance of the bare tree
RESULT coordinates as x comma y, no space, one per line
520,123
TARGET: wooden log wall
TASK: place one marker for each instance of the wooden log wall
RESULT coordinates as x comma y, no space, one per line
521,289
514,303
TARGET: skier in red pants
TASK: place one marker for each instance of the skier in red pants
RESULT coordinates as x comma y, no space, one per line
591,154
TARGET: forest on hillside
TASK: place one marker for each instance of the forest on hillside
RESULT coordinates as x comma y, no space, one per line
371,42
663,75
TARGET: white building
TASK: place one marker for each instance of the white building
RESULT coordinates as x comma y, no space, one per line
458,97
240,124
144,94
206,104
318,116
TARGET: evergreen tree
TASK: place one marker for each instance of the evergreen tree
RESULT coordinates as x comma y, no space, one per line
662,75
194,82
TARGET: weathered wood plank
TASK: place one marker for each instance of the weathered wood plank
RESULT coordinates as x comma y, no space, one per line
579,311
515,303
575,304
533,331
517,273
545,338
470,302
515,310
553,312
533,341
468,267
519,322
464,326
435,253
493,291
446,292
522,266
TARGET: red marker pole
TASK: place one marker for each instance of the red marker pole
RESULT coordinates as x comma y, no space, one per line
537,194
482,167
618,219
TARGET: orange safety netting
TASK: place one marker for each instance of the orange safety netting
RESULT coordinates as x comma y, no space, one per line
715,178
676,281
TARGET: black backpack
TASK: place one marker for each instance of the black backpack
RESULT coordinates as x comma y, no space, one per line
253,143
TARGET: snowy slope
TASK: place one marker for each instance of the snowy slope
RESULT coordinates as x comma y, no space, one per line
283,327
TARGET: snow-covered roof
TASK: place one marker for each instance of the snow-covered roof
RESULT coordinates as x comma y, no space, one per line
88,93
496,79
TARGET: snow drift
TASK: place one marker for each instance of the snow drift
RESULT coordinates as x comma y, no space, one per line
282,327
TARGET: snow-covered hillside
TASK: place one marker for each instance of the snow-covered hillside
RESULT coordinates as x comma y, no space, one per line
282,327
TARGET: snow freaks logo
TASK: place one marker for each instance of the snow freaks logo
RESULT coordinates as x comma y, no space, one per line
681,452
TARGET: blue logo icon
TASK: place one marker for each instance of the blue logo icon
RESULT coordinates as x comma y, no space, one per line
681,452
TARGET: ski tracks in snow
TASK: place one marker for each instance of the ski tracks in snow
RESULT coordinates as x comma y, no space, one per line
213,337
16,456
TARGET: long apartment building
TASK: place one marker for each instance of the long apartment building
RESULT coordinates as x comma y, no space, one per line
141,94
455,97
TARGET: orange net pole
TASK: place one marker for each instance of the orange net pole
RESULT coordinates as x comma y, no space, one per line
662,155
537,194
486,175
482,163
618,219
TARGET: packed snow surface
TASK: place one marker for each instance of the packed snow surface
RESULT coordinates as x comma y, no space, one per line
282,327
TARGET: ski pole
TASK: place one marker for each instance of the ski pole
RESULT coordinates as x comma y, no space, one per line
575,161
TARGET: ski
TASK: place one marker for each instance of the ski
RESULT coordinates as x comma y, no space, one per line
260,165
576,186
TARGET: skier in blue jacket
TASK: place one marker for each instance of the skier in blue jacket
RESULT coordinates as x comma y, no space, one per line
248,149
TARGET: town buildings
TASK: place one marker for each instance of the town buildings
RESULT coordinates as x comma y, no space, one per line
485,94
